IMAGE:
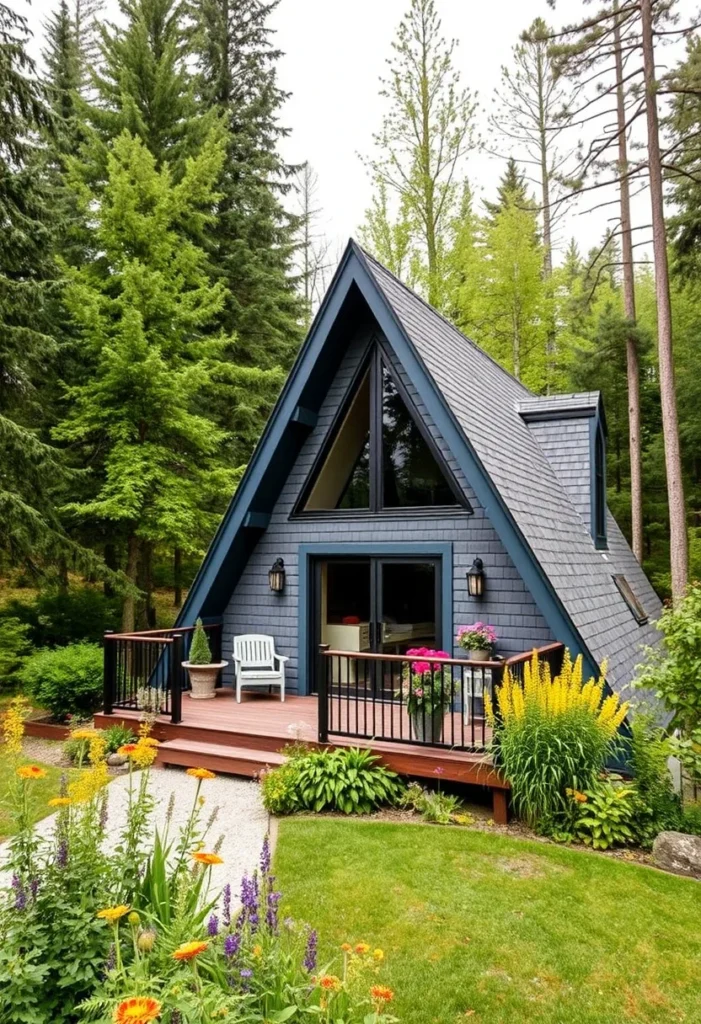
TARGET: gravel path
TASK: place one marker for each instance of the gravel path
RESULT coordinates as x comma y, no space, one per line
241,819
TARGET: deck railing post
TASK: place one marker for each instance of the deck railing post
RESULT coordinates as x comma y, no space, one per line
323,696
176,674
109,682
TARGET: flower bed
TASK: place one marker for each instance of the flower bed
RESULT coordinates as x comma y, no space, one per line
136,934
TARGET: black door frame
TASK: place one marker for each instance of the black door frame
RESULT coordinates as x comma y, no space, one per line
376,562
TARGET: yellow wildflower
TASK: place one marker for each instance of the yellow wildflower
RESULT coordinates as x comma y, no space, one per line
200,773
82,734
31,771
112,914
13,725
378,954
89,783
59,801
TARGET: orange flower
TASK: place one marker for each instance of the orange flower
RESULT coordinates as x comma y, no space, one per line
189,950
200,773
330,982
257,951
346,947
60,801
113,914
207,858
31,771
127,749
381,994
137,1010
362,947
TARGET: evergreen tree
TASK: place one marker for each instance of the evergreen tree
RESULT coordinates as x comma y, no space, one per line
142,305
29,525
251,243
512,190
144,86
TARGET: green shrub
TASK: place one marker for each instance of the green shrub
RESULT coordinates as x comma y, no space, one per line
435,806
200,651
114,737
690,821
607,816
551,736
279,789
348,780
65,681
59,617
657,806
15,646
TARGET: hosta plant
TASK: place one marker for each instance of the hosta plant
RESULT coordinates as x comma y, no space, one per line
552,734
351,781
605,814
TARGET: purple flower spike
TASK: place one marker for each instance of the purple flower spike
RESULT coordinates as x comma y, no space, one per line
111,961
34,887
213,926
309,962
246,973
232,944
226,915
265,858
20,894
62,853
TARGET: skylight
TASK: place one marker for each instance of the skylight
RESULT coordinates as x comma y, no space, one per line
626,592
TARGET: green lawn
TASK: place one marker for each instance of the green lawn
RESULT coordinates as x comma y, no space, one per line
480,927
41,789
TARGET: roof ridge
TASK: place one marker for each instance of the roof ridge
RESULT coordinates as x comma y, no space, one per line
432,309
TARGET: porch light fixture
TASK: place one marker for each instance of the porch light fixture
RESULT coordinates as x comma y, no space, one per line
475,578
276,576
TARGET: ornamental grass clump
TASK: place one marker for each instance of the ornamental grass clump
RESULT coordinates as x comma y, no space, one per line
552,735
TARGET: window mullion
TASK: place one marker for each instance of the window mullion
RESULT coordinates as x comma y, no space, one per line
376,497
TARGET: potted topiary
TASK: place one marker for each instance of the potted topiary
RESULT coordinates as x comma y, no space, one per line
479,640
203,671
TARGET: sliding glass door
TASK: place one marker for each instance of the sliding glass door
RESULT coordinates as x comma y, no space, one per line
375,606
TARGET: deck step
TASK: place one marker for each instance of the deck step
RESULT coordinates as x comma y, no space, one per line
230,760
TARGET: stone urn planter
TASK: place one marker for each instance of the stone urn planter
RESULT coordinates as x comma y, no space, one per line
203,679
203,671
428,727
478,655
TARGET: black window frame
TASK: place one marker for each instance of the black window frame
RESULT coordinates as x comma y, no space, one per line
373,361
598,483
631,599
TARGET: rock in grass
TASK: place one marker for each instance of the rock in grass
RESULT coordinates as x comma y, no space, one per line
116,760
678,853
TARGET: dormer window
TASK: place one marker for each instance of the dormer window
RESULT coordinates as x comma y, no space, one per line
378,454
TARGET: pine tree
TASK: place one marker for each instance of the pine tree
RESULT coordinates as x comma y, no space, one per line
142,304
512,191
144,86
29,525
251,243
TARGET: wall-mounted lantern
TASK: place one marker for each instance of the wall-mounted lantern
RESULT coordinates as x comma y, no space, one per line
276,576
475,578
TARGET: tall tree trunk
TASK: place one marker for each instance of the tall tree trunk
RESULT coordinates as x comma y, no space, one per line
551,338
670,424
129,605
632,360
177,577
428,184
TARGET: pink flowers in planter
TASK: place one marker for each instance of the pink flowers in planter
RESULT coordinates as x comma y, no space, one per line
477,637
419,667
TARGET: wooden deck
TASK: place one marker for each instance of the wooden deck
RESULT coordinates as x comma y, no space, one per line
243,738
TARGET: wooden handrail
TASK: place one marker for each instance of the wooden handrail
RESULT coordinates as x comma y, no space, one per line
160,634
369,656
515,659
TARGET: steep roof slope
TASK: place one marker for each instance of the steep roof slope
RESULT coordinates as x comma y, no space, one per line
486,402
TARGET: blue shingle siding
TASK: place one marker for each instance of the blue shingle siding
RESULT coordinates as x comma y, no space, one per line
566,445
254,609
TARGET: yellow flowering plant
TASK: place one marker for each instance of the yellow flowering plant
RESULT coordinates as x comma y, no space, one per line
552,734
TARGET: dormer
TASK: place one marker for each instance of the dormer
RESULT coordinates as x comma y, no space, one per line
571,431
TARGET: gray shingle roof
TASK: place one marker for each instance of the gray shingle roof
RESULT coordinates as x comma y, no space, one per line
487,403
540,405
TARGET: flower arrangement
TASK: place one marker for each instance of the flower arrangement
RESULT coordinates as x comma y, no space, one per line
428,685
477,637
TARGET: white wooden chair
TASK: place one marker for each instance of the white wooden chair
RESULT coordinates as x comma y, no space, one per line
257,664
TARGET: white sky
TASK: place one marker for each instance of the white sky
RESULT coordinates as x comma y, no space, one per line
335,53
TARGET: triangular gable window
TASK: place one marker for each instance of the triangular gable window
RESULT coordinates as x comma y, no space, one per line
378,455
